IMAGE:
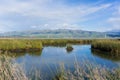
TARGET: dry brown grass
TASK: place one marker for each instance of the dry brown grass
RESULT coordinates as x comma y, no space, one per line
9,70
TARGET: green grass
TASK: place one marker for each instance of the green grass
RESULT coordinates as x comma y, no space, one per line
63,42
11,71
19,45
111,46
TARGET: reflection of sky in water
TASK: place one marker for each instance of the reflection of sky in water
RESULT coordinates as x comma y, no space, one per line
52,57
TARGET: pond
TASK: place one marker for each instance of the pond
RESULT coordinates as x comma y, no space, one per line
48,61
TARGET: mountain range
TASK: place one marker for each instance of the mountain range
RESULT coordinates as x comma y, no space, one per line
61,33
113,33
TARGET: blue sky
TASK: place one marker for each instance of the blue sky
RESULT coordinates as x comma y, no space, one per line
92,15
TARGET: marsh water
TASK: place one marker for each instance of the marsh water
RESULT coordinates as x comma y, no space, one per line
47,62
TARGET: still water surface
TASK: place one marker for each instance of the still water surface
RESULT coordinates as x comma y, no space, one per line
48,61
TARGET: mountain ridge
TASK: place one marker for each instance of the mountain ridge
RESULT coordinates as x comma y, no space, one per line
57,33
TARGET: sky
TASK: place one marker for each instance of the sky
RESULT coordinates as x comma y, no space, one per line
91,15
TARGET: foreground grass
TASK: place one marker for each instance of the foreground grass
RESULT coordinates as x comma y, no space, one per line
9,70
85,70
88,72
111,46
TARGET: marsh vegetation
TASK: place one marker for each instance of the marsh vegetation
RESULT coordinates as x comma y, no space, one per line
21,45
14,45
110,46
46,53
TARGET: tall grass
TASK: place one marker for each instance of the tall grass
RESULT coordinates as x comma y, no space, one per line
9,70
20,45
86,71
89,73
63,42
111,46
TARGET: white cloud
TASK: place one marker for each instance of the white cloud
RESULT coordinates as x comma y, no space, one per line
114,20
56,26
44,10
49,13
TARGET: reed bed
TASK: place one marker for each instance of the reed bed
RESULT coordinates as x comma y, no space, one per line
21,45
64,42
111,46
14,45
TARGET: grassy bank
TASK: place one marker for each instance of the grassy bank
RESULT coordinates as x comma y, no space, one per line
63,42
111,46
10,70
21,45
15,45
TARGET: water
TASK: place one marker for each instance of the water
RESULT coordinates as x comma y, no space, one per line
48,61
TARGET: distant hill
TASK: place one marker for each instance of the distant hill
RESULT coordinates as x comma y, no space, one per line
58,33
113,33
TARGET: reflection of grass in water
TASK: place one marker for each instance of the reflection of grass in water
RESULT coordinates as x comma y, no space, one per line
9,70
32,53
105,55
